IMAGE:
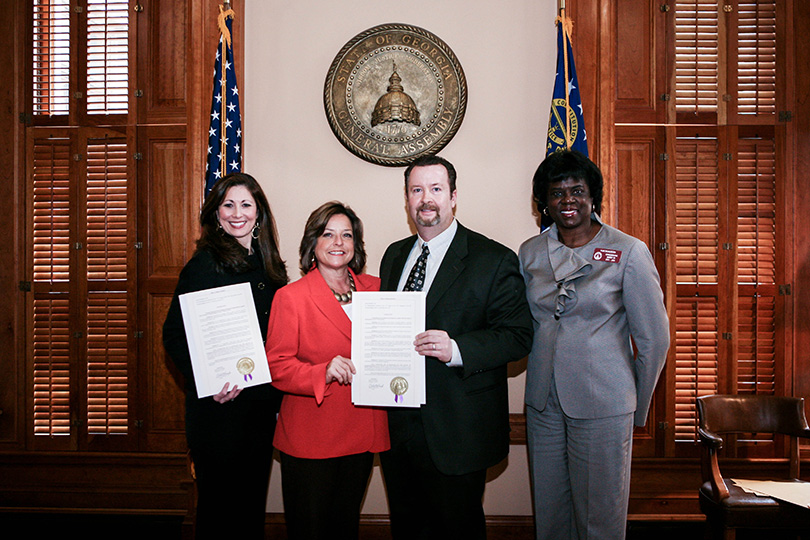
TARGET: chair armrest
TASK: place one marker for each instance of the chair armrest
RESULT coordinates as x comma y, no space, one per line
709,466
710,439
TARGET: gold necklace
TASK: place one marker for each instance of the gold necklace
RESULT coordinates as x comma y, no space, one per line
345,298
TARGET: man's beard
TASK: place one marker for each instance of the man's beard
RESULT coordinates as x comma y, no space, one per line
436,219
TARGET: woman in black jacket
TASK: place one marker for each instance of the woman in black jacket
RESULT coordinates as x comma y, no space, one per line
230,439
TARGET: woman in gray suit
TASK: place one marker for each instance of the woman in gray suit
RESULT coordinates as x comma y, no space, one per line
590,288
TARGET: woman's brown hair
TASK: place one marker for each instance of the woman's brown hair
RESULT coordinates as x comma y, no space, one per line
227,252
315,226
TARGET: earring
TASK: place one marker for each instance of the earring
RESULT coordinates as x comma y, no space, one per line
545,211
255,232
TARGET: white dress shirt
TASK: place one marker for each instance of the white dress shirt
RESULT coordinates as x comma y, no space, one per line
438,247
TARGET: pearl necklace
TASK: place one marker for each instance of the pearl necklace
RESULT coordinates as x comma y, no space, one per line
345,298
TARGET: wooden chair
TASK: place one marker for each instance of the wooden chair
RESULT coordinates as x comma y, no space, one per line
727,506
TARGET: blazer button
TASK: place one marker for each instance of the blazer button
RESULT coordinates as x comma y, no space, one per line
260,286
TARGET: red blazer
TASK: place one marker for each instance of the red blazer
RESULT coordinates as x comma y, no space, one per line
308,328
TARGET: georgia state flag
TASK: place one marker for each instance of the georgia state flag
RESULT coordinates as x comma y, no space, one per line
566,114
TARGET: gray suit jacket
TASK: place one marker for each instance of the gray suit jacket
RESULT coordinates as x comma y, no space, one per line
586,304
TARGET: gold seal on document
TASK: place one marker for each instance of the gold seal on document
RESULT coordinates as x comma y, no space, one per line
399,385
245,366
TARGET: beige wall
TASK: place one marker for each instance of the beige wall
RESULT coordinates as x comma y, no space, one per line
507,50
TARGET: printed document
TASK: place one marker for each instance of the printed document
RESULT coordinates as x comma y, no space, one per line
390,373
224,338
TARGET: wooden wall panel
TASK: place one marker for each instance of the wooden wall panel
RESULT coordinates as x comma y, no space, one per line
163,71
171,188
169,207
585,41
164,420
635,161
594,45
660,490
138,484
636,157
12,155
640,69
800,199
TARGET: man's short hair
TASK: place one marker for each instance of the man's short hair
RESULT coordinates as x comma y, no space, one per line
432,159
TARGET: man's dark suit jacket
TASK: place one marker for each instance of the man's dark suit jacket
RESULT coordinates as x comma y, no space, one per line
478,298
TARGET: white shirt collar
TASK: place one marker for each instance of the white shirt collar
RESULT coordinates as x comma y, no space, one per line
438,247
440,241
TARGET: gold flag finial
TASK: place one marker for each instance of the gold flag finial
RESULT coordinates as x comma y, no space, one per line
225,11
568,24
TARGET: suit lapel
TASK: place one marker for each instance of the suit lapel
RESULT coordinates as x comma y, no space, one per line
451,267
398,264
324,300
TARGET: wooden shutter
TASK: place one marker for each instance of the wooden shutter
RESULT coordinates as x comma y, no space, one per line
727,335
756,203
51,184
81,304
758,340
107,298
696,360
756,263
51,168
696,56
81,223
723,223
754,55
84,76
51,359
107,54
51,57
697,242
697,191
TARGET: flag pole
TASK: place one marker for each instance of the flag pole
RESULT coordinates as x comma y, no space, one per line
564,22
565,97
225,12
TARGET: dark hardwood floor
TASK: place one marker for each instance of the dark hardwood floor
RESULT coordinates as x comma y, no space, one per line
151,527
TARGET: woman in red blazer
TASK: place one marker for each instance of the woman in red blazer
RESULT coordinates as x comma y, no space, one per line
327,444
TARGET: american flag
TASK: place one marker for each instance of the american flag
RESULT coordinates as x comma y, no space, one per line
566,125
225,131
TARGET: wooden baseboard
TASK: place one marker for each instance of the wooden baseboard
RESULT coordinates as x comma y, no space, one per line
160,485
148,484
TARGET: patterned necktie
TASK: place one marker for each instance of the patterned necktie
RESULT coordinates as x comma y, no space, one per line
416,279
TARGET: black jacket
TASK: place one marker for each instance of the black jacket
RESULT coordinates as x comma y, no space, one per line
478,298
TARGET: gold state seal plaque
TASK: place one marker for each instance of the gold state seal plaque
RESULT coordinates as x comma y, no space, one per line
395,92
